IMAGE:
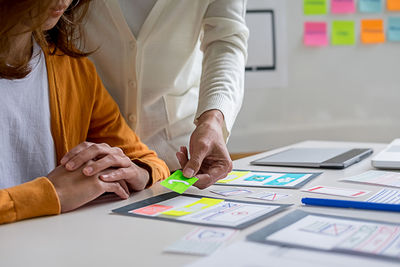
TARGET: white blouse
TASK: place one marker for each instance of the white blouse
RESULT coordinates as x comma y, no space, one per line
187,58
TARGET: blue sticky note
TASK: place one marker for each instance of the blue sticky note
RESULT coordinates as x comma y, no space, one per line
257,178
370,6
393,29
285,179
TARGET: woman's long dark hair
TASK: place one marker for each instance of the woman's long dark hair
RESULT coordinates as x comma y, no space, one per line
64,37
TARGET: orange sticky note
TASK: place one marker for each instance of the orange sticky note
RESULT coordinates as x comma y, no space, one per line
393,5
372,31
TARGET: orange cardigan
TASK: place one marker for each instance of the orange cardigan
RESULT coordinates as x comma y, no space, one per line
81,110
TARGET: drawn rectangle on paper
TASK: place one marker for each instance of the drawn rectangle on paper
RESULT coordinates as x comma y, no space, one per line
333,233
201,210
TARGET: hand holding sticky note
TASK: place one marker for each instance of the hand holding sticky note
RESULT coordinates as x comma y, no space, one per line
178,183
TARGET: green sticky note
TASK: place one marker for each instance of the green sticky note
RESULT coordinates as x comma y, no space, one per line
178,183
343,32
315,7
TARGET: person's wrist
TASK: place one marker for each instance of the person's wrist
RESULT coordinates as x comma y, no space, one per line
211,116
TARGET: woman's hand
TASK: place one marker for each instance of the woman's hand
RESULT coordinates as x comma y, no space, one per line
97,158
75,189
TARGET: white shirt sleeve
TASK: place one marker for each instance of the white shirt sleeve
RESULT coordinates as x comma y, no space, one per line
224,44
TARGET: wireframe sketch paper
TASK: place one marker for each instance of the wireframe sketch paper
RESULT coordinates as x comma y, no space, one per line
386,195
376,177
267,179
333,233
201,241
201,210
246,254
344,192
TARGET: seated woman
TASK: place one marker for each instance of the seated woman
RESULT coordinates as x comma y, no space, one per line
52,102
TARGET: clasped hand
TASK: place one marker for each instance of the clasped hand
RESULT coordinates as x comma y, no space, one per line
88,170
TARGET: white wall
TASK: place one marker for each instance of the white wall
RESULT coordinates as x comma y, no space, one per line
347,93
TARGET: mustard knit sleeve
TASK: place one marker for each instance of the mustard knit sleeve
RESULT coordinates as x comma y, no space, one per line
31,199
108,126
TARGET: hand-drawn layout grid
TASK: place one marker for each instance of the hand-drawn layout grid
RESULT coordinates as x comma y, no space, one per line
201,210
333,233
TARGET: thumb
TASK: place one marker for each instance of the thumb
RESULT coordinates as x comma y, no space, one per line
194,163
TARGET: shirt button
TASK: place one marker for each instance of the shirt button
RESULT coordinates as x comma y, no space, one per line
132,118
132,45
132,83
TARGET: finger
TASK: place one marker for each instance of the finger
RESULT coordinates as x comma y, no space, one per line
182,159
112,160
74,151
116,188
197,155
124,186
90,153
117,175
204,181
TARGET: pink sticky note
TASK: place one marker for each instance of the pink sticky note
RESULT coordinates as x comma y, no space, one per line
315,34
151,210
343,6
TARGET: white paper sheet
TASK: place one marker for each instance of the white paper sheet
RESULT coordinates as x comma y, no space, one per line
246,254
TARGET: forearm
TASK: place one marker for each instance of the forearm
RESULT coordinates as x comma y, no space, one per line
31,199
222,82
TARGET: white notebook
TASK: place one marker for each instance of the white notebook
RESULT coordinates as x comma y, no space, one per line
389,158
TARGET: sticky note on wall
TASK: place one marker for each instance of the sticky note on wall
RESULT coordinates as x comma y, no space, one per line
370,6
343,6
315,34
315,7
343,32
372,31
394,29
393,5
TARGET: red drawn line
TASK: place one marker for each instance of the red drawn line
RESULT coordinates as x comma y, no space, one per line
273,198
335,229
315,188
359,193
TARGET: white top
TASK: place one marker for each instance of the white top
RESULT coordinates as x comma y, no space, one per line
160,78
136,12
27,146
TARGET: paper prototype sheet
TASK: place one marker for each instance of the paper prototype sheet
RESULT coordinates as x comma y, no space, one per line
201,210
376,177
267,179
333,233
201,241
386,195
245,254
345,192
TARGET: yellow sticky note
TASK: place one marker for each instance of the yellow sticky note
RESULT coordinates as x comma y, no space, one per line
176,213
372,31
393,5
232,176
205,202
201,204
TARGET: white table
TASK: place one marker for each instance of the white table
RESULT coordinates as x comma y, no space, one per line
92,236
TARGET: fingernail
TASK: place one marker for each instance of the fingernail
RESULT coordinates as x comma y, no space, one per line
88,170
188,173
63,161
105,176
70,165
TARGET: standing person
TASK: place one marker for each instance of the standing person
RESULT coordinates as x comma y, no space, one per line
52,102
176,69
